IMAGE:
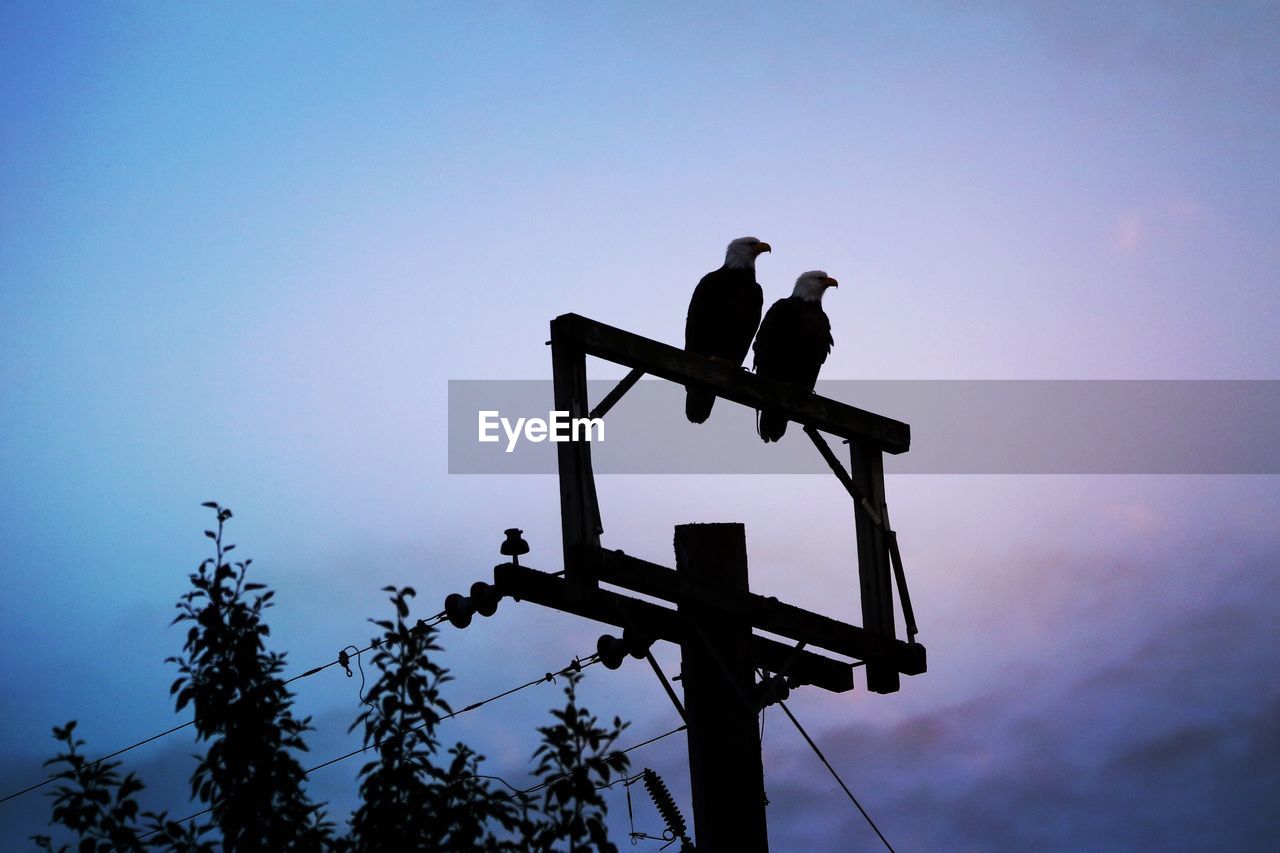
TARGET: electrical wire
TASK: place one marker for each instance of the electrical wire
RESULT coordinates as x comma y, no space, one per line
517,792
577,665
833,772
738,689
98,760
631,748
434,620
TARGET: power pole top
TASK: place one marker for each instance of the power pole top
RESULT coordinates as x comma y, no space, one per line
715,611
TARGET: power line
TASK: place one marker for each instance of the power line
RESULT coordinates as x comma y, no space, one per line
341,659
656,739
577,665
517,792
98,760
834,774
631,748
768,685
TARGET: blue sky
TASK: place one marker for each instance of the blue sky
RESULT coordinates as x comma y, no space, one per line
243,248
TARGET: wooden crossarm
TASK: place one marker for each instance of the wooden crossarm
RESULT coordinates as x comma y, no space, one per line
730,382
528,584
769,614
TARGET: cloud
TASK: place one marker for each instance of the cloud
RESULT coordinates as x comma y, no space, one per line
1119,697
1184,208
1172,744
1128,231
1166,219
1136,227
1183,42
1138,516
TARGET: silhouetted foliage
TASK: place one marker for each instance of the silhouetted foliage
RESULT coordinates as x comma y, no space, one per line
412,798
576,758
101,809
242,707
95,803
409,802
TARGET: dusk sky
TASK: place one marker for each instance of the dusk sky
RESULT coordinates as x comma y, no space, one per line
244,247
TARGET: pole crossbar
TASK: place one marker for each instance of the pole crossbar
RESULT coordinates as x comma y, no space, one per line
767,614
525,584
728,381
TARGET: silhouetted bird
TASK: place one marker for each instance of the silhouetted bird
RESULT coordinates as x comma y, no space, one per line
793,342
723,315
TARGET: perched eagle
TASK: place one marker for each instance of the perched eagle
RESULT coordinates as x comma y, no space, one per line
794,341
723,315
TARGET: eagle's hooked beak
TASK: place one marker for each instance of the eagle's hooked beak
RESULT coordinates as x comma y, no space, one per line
831,282
764,247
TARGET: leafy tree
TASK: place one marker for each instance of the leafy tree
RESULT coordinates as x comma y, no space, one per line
409,802
94,802
470,807
412,798
575,760
242,707
101,809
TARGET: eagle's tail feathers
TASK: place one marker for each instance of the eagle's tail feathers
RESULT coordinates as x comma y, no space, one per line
770,426
697,404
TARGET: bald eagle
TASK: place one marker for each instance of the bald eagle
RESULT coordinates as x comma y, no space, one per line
794,341
723,315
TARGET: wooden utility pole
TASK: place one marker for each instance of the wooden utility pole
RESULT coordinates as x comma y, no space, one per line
715,612
725,768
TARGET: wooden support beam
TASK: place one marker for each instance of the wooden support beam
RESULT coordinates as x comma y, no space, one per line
843,476
904,596
579,508
726,772
769,614
526,584
875,584
731,383
610,400
881,520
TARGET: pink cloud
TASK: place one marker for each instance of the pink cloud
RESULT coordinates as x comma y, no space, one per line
1129,231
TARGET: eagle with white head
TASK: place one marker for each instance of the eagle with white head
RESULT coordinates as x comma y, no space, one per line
793,342
723,315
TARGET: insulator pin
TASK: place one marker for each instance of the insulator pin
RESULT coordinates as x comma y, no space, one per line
514,545
774,688
485,597
458,610
613,650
